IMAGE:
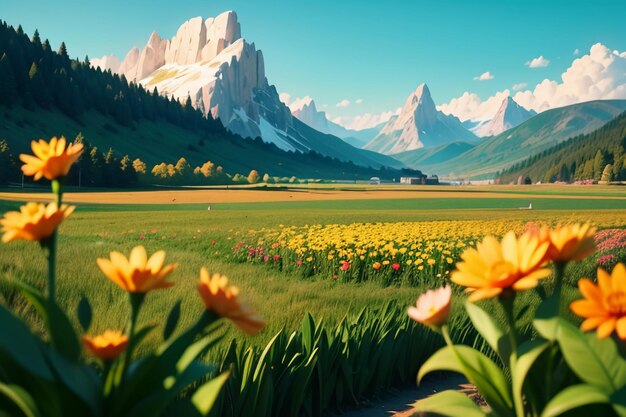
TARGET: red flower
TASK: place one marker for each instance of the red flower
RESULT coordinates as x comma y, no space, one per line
299,262
345,266
395,266
276,258
213,242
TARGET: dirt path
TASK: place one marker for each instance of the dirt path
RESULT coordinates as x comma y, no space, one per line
397,404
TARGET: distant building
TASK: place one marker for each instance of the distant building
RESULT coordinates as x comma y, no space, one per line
374,180
421,180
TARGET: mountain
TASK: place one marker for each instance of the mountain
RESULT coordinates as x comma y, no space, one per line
600,155
306,111
433,155
209,63
107,62
536,134
45,93
419,125
509,115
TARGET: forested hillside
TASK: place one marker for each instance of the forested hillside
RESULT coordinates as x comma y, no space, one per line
44,93
600,155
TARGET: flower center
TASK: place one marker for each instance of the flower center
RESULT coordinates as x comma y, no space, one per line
617,303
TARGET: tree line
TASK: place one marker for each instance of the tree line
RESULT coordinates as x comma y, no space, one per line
597,156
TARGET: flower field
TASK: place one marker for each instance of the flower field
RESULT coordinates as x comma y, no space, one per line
394,253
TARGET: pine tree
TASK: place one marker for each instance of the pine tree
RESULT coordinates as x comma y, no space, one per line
36,39
8,85
63,51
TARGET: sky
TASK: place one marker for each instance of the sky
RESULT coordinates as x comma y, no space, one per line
356,56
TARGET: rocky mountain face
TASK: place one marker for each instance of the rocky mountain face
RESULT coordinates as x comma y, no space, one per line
509,115
419,125
224,76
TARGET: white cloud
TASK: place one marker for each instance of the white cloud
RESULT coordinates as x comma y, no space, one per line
598,75
485,76
364,121
285,98
538,62
471,107
343,103
358,101
519,86
576,51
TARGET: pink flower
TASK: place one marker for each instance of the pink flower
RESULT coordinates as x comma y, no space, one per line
141,237
395,266
266,258
335,277
433,307
345,266
299,262
605,259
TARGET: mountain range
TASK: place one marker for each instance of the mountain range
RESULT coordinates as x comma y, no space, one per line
209,63
531,137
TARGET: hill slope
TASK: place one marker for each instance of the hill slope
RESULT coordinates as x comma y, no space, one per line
600,155
45,93
435,155
533,136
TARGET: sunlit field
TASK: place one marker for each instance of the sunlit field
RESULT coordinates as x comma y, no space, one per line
194,237
293,252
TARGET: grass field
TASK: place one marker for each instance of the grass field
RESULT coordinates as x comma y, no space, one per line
106,221
186,229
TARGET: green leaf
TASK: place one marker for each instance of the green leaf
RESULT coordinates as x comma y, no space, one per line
527,352
450,404
478,369
547,318
204,397
20,398
22,346
84,313
618,400
61,332
172,321
594,361
489,330
574,397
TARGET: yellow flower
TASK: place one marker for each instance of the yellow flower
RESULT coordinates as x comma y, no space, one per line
570,243
223,299
34,221
137,274
433,307
108,345
52,160
431,262
604,305
494,266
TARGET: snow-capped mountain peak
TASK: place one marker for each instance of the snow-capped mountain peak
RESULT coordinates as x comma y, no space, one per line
509,115
419,125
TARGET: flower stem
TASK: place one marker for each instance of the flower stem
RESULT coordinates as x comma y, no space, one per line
136,300
57,189
559,272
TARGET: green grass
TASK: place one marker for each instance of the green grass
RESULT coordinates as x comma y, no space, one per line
186,233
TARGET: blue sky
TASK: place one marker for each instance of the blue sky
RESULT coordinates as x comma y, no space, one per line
354,49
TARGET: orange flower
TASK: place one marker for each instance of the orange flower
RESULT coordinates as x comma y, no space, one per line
34,221
604,305
494,266
570,243
137,274
433,307
223,299
52,160
376,266
108,345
